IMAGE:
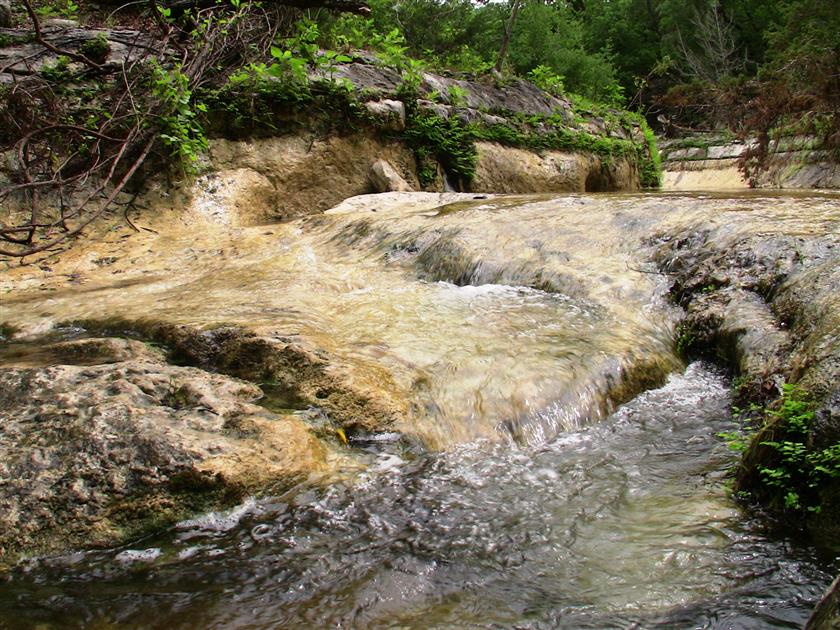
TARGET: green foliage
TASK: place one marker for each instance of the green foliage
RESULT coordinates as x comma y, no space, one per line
546,79
553,36
57,71
13,38
300,56
263,96
456,34
391,50
686,339
299,74
630,30
802,43
437,140
252,99
391,47
738,441
177,120
465,36
412,75
60,8
791,479
650,172
647,153
702,141
457,95
96,49
609,50
462,59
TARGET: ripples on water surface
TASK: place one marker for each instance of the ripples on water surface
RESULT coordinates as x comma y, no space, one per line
622,523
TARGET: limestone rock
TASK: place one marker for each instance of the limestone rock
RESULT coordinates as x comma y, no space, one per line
385,179
370,77
237,197
60,23
469,115
442,111
800,169
771,305
310,176
512,95
502,169
97,455
691,153
733,150
391,112
493,96
793,162
77,352
23,54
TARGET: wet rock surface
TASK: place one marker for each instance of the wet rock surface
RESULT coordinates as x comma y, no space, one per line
769,305
99,454
295,375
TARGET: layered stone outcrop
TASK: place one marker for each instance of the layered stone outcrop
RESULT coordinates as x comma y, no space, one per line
703,162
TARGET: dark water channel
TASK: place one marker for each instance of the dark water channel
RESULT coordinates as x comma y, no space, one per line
624,524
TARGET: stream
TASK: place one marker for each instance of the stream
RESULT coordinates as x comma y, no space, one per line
517,493
624,524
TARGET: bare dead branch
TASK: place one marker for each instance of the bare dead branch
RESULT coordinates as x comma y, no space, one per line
39,37
67,175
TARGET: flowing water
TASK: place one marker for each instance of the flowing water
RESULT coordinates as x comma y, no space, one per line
479,313
624,524
521,318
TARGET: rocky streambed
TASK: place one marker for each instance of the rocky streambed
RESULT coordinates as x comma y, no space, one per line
154,374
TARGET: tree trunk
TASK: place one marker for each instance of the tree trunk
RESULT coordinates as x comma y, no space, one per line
514,9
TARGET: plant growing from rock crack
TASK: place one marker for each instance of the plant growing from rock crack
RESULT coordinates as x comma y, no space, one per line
793,476
447,141
457,95
96,49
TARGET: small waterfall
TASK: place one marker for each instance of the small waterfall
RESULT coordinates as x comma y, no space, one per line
447,183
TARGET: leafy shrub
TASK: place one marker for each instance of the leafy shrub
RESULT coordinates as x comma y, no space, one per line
57,71
546,79
438,140
791,478
179,127
457,95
